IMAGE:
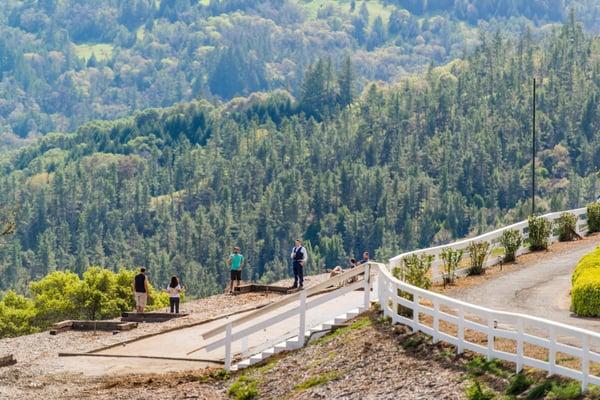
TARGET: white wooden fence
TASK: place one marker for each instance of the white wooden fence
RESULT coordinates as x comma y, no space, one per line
233,330
506,336
493,238
518,338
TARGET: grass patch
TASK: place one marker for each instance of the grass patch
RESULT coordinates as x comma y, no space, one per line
518,384
244,388
564,391
476,391
317,380
214,375
102,51
267,367
479,366
358,324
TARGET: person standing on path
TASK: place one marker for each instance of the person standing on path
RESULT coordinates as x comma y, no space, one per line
174,289
235,263
365,258
299,257
140,290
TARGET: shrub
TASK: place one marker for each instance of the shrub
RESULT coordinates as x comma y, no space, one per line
17,314
564,391
476,392
566,225
539,391
593,214
511,241
585,294
518,384
416,269
539,233
451,260
478,252
63,295
243,388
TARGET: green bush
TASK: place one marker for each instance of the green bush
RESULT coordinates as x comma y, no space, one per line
244,388
566,225
593,214
63,295
539,391
564,391
585,294
451,260
476,392
416,270
16,315
511,241
539,233
478,252
518,384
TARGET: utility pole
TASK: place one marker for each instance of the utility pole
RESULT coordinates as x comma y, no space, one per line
533,156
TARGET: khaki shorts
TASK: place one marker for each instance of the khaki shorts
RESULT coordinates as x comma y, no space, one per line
141,299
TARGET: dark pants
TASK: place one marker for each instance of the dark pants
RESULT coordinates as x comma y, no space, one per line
298,274
174,303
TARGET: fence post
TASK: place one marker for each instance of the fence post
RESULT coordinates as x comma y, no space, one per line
380,291
436,321
228,347
415,313
490,338
519,345
585,362
302,327
552,351
244,344
367,287
461,331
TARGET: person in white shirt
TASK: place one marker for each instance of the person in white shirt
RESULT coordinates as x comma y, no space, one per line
174,289
299,256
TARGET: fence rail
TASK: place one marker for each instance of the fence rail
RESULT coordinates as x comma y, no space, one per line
512,337
234,331
495,334
493,238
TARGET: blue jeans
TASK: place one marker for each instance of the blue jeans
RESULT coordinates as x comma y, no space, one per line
174,303
298,274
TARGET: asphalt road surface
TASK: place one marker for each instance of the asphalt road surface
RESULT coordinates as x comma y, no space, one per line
541,287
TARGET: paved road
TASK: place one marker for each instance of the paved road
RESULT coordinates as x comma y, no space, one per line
539,288
178,343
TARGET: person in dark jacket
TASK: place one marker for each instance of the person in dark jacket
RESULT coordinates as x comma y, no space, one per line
299,257
140,290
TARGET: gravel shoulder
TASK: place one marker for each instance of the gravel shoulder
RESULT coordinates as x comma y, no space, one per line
537,284
36,374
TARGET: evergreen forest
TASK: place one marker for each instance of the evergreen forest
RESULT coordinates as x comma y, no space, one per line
348,167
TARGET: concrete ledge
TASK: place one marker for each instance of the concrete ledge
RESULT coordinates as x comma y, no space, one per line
150,316
261,288
7,360
92,326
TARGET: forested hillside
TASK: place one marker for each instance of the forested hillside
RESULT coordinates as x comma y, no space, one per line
66,62
438,156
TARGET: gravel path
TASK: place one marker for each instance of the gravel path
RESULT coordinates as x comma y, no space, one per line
540,286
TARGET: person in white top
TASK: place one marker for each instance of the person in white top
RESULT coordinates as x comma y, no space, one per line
174,289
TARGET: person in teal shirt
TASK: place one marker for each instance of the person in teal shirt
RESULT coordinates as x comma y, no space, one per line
236,263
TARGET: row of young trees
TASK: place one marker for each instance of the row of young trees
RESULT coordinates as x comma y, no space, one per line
437,157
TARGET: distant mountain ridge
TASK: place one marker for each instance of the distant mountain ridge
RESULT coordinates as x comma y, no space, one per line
63,63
